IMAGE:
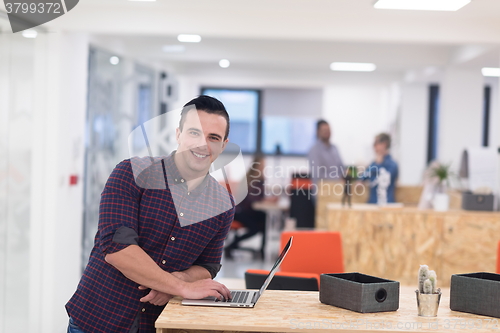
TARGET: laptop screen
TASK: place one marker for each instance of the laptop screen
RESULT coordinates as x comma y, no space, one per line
275,267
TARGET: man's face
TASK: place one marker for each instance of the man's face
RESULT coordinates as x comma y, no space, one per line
200,142
324,132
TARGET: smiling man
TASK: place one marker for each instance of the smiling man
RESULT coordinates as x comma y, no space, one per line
162,225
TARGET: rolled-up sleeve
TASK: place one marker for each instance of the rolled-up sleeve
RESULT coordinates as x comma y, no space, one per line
119,210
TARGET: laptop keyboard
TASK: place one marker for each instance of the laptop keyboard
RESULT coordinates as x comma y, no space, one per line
236,297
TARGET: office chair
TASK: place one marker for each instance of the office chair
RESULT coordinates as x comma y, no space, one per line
312,252
301,205
254,279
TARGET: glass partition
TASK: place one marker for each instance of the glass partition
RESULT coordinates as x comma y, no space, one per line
16,117
121,95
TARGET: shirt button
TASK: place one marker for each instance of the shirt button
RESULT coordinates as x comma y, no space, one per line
175,179
143,310
189,193
163,262
181,214
172,238
182,180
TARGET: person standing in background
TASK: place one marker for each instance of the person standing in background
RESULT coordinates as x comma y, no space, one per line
324,157
383,170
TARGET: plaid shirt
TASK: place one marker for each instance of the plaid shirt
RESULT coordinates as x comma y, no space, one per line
137,199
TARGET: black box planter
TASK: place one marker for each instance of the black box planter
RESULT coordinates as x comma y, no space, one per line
359,292
472,201
477,293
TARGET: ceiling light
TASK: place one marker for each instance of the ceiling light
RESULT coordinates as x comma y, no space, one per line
189,38
173,48
224,63
114,60
490,71
444,5
30,33
352,66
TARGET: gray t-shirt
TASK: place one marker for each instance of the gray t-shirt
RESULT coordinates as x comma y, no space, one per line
325,162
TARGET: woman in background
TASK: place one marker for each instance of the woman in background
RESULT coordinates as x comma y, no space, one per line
253,220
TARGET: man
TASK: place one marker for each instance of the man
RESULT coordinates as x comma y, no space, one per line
382,173
162,225
324,158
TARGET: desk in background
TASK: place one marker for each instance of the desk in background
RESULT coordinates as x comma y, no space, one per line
331,191
274,215
300,311
393,242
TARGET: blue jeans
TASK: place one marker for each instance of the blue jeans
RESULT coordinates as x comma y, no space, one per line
72,328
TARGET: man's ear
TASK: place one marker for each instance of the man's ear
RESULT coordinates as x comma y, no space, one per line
224,143
177,135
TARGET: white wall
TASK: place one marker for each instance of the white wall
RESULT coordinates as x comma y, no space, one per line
357,111
413,122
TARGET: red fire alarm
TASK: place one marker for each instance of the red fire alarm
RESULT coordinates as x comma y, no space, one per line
73,179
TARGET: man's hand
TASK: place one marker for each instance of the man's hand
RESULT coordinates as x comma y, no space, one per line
155,297
205,288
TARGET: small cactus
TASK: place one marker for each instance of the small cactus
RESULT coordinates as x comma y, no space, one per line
427,280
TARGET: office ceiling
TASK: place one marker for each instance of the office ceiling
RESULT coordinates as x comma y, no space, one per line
293,34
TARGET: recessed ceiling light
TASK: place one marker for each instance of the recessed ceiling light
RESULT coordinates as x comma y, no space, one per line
189,38
224,63
352,66
30,33
491,71
444,5
173,48
114,60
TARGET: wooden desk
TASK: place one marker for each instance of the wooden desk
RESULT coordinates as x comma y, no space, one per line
301,311
331,191
392,242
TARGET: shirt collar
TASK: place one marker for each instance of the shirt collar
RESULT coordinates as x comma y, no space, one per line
174,176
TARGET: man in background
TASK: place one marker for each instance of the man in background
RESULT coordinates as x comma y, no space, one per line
324,157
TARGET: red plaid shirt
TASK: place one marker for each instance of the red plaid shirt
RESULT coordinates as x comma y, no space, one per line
108,302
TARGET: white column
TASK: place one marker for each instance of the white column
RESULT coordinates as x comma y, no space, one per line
460,114
413,133
56,219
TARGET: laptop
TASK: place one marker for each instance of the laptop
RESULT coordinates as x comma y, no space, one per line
242,298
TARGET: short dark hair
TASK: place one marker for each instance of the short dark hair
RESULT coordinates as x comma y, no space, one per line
207,104
319,123
384,138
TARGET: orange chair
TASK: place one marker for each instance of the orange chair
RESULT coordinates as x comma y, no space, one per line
498,259
312,253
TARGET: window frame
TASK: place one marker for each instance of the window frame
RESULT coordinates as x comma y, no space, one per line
259,134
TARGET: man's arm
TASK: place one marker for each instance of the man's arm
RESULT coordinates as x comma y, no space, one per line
139,267
193,273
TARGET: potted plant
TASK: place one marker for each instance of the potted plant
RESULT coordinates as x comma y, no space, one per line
441,200
428,296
